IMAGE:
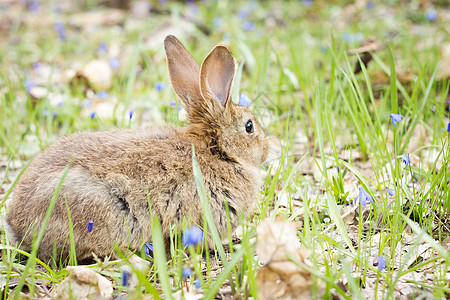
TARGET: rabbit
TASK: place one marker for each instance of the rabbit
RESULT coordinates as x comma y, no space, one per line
116,174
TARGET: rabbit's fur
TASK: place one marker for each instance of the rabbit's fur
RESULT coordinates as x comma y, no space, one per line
116,173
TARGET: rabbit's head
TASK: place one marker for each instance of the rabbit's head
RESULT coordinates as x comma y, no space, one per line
231,131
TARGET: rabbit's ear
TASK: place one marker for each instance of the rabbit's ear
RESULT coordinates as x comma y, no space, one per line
216,74
183,71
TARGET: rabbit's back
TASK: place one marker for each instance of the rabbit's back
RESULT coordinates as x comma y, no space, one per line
111,177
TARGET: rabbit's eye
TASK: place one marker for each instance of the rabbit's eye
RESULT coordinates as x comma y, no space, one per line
249,126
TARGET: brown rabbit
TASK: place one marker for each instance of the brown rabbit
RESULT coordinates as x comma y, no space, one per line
114,172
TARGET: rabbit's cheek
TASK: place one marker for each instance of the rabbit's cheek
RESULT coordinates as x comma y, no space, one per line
265,150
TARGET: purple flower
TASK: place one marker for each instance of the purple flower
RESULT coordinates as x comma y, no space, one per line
92,115
244,100
160,86
172,103
114,63
130,113
363,197
125,277
370,5
87,103
61,30
36,65
186,273
404,158
307,2
448,127
34,5
197,283
102,47
431,15
390,192
28,84
381,263
148,248
163,2
192,236
396,118
248,26
243,14
90,225
102,94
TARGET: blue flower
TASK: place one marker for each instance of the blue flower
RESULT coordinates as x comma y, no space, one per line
404,158
93,115
87,103
323,49
186,273
192,236
61,30
102,47
45,113
130,113
248,26
90,225
252,5
36,65
102,94
28,84
159,86
34,5
363,197
217,22
243,14
244,100
125,277
396,118
193,8
172,103
197,283
114,63
307,2
431,15
448,127
390,192
381,263
352,37
370,5
148,248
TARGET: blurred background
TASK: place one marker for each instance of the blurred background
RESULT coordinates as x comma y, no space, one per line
82,65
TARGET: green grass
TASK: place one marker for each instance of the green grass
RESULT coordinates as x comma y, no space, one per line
329,129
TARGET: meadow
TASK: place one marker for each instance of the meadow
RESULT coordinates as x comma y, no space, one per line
354,99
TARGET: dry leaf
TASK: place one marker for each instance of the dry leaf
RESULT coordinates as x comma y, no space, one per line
83,283
280,277
98,73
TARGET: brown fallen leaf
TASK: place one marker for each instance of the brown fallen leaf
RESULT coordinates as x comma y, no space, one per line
83,283
280,277
368,46
96,74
